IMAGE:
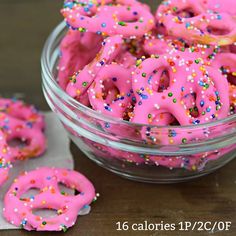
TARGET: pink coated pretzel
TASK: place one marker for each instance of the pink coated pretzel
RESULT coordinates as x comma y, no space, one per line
126,18
22,111
6,157
162,118
14,128
191,20
81,81
77,50
167,45
211,99
118,81
20,211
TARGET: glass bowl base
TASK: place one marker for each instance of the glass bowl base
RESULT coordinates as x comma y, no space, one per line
151,173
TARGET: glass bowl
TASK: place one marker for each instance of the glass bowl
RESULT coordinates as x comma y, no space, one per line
136,151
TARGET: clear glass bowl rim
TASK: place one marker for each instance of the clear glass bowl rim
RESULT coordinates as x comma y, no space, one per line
45,65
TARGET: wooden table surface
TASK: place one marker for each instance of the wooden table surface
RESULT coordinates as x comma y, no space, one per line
25,24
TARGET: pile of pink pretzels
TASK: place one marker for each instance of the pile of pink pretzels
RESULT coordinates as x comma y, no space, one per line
177,67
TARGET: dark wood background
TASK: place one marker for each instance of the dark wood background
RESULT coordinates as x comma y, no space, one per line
24,25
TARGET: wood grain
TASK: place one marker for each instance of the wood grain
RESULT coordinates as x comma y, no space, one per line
25,24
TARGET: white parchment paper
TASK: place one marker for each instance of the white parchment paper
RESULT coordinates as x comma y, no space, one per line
57,155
